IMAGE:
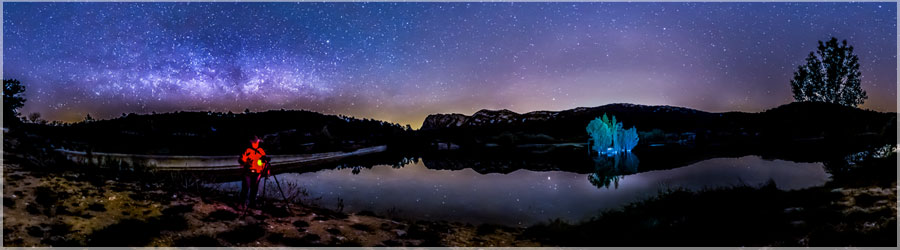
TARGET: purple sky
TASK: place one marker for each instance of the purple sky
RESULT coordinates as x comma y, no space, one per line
402,61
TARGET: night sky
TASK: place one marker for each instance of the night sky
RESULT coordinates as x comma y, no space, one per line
402,61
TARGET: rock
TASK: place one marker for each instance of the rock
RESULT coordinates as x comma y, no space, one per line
220,215
311,238
301,224
32,209
400,233
35,231
97,207
392,243
436,121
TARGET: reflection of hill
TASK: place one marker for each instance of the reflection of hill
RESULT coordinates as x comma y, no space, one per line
571,161
487,166
506,161
576,159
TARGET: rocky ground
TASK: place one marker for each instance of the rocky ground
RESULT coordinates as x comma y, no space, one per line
49,201
867,211
74,209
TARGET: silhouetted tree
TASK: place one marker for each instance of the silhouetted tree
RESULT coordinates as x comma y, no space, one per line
88,118
13,99
833,76
34,117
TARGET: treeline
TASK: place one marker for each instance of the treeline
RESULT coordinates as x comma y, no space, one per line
820,124
216,133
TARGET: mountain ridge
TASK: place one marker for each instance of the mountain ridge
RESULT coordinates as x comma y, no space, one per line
505,116
487,116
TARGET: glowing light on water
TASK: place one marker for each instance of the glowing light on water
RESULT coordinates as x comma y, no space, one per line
517,197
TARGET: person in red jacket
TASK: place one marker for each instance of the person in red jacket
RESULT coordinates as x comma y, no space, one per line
253,162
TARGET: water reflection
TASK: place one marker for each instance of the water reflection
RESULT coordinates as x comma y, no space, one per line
609,169
356,166
413,190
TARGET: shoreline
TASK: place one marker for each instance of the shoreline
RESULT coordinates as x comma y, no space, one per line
50,202
43,208
67,208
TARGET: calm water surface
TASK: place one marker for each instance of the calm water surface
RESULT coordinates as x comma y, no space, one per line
525,197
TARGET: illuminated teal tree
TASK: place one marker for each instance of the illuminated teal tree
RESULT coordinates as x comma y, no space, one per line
608,136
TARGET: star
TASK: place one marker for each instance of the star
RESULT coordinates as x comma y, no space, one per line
400,62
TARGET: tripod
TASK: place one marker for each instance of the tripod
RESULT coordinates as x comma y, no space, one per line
266,181
277,183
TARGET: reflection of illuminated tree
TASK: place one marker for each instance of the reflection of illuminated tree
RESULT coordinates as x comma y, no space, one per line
609,170
604,179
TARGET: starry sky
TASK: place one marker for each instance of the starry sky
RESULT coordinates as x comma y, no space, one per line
400,62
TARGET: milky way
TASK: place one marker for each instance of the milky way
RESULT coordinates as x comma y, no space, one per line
402,61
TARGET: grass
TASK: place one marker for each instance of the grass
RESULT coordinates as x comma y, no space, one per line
739,216
745,216
711,218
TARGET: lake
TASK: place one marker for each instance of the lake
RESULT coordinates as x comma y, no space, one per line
525,197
